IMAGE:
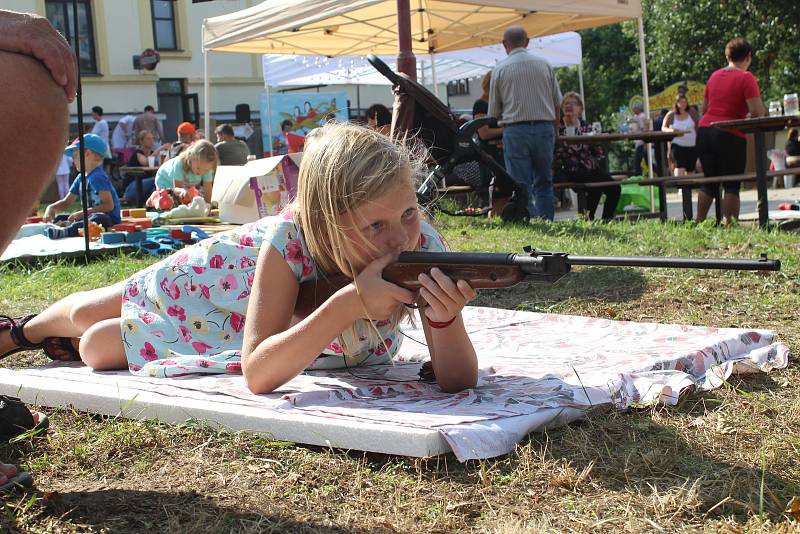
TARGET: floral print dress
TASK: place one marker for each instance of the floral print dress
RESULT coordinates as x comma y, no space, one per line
186,314
574,158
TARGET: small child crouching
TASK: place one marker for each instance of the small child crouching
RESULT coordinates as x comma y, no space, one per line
190,174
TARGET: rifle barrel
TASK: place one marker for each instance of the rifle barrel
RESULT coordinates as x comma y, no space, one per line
535,262
678,263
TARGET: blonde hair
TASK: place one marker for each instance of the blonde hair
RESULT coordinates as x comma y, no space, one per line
486,82
342,167
200,149
142,135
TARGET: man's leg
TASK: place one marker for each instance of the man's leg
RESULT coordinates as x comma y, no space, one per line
543,145
34,111
516,152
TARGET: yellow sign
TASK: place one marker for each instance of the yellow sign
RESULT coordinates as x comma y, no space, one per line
666,98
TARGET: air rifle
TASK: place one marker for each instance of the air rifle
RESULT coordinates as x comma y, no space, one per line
493,270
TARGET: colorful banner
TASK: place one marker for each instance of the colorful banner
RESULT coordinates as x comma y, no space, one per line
666,98
293,115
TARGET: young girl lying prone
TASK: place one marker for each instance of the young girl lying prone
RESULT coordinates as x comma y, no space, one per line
355,211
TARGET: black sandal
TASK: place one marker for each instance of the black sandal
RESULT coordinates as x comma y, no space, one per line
15,326
426,373
60,349
17,419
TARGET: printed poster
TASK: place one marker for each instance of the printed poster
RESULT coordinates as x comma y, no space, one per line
293,115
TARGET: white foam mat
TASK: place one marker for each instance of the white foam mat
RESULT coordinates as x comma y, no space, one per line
537,370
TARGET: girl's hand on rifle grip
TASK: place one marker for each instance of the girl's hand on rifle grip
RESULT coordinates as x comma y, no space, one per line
378,299
445,297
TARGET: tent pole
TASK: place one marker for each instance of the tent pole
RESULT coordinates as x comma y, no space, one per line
580,86
646,92
81,157
433,75
406,62
269,115
206,92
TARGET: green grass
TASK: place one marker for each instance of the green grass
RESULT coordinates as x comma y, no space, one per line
727,460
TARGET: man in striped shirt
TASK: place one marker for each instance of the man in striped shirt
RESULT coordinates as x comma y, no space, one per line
525,97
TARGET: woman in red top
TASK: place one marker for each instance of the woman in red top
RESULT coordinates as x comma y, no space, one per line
731,93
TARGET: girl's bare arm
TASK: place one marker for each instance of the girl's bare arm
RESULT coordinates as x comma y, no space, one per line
275,350
453,356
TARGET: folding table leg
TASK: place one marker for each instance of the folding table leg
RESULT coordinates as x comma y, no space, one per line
581,200
686,196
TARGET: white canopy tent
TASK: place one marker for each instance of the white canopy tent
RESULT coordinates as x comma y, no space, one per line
337,28
559,50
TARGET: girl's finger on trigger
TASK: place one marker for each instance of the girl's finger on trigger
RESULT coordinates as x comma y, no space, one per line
403,295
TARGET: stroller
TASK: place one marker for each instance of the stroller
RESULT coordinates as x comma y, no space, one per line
419,113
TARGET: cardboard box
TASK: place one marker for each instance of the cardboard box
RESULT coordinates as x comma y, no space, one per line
262,187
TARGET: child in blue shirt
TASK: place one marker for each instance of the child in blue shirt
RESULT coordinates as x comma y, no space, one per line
191,171
104,203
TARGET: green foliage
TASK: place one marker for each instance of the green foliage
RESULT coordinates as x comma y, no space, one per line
610,76
689,42
686,41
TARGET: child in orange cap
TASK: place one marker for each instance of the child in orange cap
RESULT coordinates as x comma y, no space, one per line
187,134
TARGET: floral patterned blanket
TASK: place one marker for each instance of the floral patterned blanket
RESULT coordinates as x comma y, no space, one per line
536,370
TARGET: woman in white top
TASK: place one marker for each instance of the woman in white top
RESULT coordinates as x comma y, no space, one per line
684,151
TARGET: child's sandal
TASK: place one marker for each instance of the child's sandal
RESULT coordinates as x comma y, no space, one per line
15,325
60,349
426,373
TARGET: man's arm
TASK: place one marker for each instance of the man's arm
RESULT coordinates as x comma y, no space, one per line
557,98
33,35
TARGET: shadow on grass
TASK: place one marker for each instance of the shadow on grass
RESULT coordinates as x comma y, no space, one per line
589,283
631,452
137,511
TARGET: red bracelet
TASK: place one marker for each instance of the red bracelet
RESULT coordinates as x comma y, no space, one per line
443,324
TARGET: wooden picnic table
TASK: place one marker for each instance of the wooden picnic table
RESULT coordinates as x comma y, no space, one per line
758,126
138,173
647,137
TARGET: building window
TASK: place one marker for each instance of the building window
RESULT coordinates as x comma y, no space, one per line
164,35
458,87
59,13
